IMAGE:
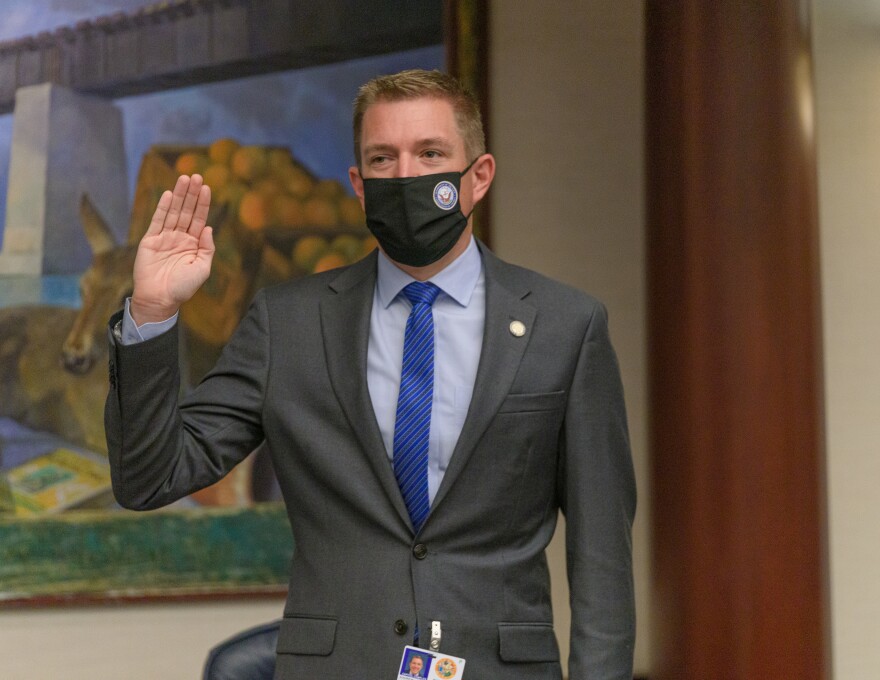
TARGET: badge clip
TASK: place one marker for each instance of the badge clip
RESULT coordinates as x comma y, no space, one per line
436,634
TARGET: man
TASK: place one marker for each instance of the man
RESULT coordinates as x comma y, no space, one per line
422,490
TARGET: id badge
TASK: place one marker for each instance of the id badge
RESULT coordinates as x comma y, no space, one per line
421,664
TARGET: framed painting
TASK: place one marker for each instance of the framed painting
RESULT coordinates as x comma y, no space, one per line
102,105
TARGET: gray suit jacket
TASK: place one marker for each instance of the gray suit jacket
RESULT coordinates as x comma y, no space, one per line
546,430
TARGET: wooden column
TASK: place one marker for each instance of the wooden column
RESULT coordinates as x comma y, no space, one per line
740,578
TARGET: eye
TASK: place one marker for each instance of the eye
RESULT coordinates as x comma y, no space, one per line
432,153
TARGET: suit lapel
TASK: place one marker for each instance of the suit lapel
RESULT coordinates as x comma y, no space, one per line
499,360
345,325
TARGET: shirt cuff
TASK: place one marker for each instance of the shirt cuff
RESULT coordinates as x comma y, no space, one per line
133,334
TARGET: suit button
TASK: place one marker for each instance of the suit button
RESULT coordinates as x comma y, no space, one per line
400,627
420,551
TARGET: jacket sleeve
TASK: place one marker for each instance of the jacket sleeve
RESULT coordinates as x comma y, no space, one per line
598,497
162,448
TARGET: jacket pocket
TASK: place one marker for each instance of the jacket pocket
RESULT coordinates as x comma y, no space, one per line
538,401
306,635
527,642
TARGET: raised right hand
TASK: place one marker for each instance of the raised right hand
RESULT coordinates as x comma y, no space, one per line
174,256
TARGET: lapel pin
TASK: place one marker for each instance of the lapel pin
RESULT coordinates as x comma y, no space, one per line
517,329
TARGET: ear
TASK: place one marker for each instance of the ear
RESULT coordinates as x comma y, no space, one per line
98,234
357,183
481,175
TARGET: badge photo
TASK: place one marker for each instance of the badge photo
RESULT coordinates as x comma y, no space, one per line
416,663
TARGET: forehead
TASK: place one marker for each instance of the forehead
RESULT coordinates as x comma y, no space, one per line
408,120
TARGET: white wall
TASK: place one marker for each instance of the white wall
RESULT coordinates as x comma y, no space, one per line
140,642
566,129
846,41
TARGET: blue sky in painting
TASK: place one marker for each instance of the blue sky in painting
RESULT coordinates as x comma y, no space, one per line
307,110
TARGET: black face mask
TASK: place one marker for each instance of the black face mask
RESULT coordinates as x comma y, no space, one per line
416,220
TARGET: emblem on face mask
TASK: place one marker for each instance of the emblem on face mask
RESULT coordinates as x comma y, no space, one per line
445,195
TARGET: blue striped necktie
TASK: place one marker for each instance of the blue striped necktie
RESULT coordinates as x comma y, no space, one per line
413,424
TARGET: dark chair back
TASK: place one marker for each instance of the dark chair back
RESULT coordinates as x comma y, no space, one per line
249,655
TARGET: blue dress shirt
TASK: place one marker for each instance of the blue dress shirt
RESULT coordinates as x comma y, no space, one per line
459,318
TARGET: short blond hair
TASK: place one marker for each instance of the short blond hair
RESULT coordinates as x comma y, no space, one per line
415,84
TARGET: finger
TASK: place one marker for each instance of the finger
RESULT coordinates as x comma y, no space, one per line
200,213
205,253
189,203
206,243
177,197
160,214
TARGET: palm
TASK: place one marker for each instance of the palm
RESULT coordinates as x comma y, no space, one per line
168,265
174,256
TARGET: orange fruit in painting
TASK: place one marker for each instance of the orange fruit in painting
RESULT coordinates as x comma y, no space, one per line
249,163
299,183
348,246
329,188
279,159
269,186
191,162
329,261
288,211
308,250
217,176
320,212
254,211
350,212
221,150
230,193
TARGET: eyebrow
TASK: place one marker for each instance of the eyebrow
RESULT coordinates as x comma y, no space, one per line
436,141
441,142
